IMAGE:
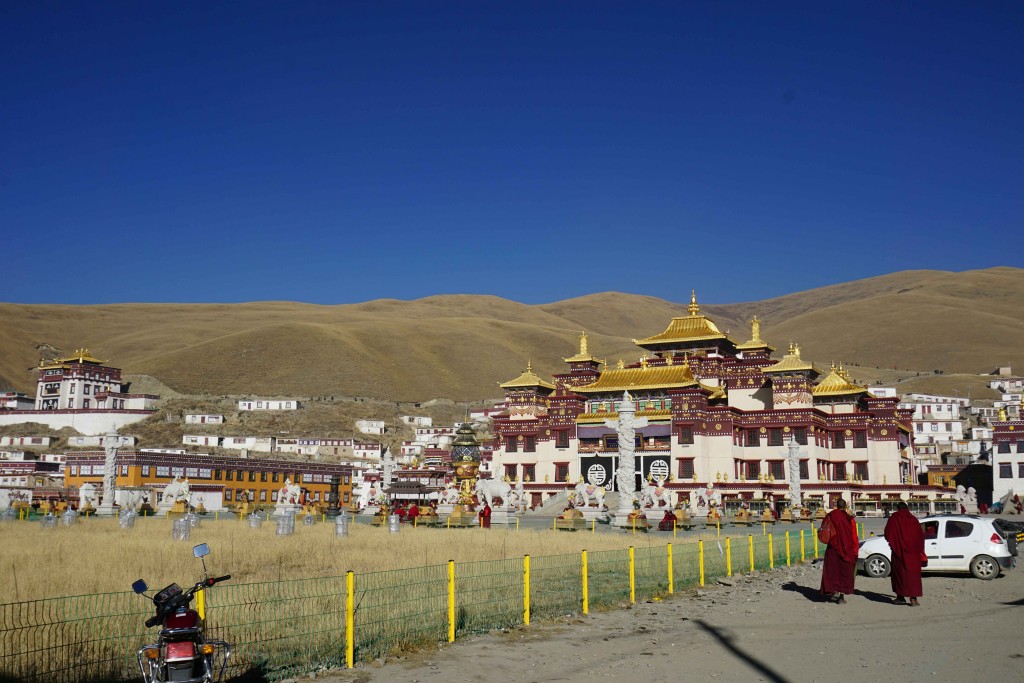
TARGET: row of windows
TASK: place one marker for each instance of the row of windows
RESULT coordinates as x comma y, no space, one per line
751,469
1006,470
1005,447
217,475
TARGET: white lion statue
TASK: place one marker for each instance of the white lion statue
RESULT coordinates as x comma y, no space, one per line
655,494
491,489
449,495
583,492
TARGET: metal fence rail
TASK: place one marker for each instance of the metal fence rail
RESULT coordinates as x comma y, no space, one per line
281,628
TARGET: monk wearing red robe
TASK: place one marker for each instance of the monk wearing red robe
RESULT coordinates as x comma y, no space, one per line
840,565
485,516
903,532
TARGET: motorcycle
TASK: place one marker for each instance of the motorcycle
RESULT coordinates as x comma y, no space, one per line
181,652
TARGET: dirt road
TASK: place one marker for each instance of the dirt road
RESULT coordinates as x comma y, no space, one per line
768,627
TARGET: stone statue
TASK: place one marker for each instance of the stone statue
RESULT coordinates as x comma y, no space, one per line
655,493
449,495
625,474
387,466
795,494
86,495
290,493
109,473
521,501
491,489
583,492
176,490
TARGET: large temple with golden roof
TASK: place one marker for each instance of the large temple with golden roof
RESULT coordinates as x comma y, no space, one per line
719,413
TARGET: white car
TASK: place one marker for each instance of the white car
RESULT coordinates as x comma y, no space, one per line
953,543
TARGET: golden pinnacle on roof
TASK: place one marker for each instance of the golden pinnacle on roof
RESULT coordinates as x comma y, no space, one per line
693,308
621,364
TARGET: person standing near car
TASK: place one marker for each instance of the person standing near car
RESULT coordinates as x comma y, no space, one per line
840,564
906,540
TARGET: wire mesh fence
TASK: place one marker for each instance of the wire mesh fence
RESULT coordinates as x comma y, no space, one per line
281,628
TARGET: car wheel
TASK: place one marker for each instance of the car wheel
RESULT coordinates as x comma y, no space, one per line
877,567
984,567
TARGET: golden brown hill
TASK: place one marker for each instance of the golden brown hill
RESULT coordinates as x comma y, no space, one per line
461,346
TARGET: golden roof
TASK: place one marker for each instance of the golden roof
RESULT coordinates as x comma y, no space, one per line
791,362
584,355
527,379
694,327
649,377
79,356
837,383
755,341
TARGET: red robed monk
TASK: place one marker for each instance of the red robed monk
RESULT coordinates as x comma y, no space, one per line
903,532
840,564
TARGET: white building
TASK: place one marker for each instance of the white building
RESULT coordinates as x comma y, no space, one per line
25,441
205,440
411,448
441,437
268,404
417,420
204,419
883,392
370,426
256,444
15,400
937,398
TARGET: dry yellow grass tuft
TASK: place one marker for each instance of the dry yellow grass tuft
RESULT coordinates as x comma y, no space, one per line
95,556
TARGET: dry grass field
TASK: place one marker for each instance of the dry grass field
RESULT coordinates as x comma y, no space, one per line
460,347
95,556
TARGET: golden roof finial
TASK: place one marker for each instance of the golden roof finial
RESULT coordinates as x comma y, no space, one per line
1002,414
669,361
790,352
755,329
621,364
643,361
529,365
693,308
796,350
583,343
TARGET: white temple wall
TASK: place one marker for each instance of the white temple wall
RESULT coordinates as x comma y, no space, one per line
87,422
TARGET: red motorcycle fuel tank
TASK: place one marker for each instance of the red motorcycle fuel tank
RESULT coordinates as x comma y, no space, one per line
187,619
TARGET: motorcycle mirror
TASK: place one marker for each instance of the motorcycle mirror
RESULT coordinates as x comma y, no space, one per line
201,550
140,587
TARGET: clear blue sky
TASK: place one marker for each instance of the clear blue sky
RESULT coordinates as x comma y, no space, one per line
337,152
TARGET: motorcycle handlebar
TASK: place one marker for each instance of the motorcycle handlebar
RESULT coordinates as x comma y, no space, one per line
152,621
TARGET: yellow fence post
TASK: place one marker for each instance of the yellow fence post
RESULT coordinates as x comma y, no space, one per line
674,527
750,544
814,541
803,550
201,604
788,560
771,553
526,590
764,528
554,524
718,526
451,601
586,587
728,556
632,575
700,559
350,612
671,572
517,524
593,526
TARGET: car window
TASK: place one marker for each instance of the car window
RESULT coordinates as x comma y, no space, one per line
955,529
931,529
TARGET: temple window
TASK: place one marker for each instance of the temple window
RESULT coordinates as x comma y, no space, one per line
274,477
860,470
686,435
529,473
753,437
530,444
777,469
804,470
511,446
561,471
839,471
860,439
562,438
252,476
800,434
512,471
686,468
753,469
227,494
775,437
838,440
